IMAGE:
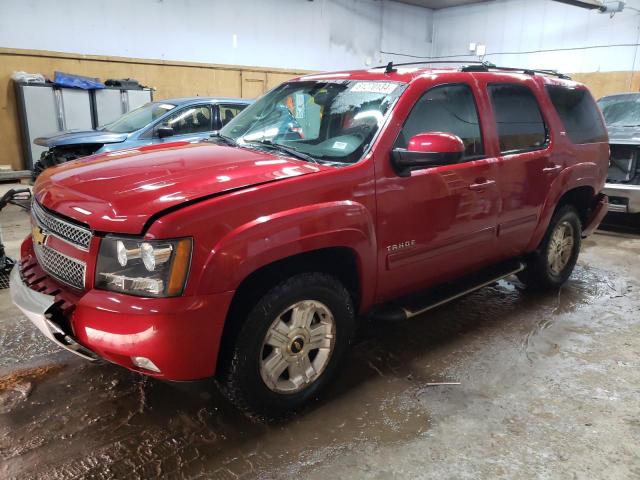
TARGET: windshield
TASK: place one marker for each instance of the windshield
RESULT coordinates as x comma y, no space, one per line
332,121
621,110
138,118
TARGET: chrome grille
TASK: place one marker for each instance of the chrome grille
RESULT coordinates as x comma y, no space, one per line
66,269
74,234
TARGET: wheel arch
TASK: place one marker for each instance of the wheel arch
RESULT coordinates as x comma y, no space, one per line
341,262
575,187
581,198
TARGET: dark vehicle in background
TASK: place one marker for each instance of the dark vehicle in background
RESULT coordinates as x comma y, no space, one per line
184,119
622,117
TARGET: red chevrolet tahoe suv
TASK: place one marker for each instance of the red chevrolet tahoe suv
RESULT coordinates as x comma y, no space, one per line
247,257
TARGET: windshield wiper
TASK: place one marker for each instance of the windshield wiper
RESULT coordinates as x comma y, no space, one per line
227,140
284,149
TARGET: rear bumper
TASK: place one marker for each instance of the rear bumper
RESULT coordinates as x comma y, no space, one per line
624,198
598,211
181,336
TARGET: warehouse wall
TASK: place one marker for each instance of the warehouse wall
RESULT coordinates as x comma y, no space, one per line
299,34
190,47
546,34
170,79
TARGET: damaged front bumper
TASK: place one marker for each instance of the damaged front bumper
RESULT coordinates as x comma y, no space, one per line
39,308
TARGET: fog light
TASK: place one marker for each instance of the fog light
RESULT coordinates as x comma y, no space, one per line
145,363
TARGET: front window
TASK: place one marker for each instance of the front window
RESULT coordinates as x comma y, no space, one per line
621,110
196,119
330,121
138,118
446,108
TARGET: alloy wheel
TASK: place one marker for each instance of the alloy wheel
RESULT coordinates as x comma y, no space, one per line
560,247
297,347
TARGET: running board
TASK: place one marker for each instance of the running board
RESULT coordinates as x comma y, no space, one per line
419,303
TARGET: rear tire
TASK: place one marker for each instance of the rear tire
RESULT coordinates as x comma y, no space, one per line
552,263
289,347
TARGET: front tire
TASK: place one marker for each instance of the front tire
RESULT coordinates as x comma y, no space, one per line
552,263
290,346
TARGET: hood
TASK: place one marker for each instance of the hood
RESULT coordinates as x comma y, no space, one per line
624,135
79,137
119,191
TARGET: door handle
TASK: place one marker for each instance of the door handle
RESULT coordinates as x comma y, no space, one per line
552,170
481,185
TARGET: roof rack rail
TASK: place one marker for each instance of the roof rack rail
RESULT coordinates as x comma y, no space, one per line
391,65
486,66
476,66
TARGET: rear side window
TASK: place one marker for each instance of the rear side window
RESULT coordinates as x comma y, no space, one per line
579,114
520,123
229,112
446,108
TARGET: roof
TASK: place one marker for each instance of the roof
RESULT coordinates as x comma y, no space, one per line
407,72
401,74
188,100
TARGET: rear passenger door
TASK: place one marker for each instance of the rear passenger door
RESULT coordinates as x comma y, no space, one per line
525,167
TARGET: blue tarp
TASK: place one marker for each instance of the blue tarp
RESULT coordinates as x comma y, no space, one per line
76,81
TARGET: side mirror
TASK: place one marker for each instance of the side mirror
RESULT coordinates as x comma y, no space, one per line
164,131
427,150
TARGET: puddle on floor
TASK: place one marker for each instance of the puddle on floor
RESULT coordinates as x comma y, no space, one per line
100,421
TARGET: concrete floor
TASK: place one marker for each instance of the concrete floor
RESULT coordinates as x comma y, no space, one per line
549,387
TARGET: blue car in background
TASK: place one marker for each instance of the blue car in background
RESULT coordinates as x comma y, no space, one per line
185,119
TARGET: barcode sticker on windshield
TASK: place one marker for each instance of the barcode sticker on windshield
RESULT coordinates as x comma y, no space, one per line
340,145
374,87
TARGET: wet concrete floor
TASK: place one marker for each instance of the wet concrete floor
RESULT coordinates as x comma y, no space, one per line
543,386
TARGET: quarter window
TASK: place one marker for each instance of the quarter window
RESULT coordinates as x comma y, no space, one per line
579,114
447,108
518,117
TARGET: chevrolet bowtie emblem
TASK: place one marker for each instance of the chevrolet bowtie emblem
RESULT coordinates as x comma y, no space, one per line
39,236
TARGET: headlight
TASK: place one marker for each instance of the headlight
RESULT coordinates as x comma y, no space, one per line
147,268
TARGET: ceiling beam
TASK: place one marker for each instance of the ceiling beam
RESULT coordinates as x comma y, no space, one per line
439,4
589,4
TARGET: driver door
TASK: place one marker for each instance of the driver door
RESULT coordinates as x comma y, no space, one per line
440,222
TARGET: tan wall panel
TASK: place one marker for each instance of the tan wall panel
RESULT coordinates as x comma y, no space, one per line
275,79
178,79
606,83
170,79
254,84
